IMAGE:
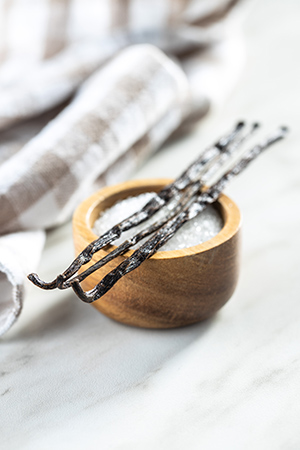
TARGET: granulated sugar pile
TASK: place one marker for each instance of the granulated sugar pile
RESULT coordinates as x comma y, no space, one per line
200,229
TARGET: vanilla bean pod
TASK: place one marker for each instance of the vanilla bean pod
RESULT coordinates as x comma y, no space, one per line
169,229
213,166
155,204
186,198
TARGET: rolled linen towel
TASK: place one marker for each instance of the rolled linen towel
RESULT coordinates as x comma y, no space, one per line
52,82
42,183
122,113
19,253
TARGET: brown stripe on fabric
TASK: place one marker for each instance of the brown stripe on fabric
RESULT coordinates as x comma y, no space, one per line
56,32
30,188
100,182
97,126
119,14
14,138
97,129
91,129
216,15
51,169
94,127
176,8
7,213
64,189
141,147
13,227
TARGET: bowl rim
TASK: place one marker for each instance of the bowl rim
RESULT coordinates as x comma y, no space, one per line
230,213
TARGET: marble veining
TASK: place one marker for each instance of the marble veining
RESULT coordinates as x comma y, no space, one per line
71,378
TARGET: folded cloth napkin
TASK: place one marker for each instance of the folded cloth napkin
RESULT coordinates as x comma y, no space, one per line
19,252
82,105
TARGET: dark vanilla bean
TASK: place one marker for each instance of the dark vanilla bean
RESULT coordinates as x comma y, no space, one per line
165,233
188,177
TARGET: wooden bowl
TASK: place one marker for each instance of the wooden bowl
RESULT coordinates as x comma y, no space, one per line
172,288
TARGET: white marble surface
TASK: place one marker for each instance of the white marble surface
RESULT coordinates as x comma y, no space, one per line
72,378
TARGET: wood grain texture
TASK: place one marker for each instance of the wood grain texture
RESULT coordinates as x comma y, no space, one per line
173,288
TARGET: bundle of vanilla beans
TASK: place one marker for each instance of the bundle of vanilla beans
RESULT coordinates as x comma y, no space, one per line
199,185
